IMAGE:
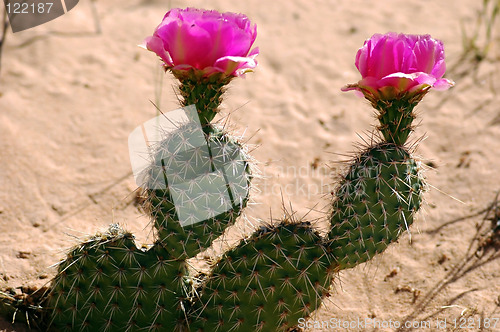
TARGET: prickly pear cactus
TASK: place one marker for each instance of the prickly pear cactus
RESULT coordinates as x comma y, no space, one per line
374,204
109,284
266,283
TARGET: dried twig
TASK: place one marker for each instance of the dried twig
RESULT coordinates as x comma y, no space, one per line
5,24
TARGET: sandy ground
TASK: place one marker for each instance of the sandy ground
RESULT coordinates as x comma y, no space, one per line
69,97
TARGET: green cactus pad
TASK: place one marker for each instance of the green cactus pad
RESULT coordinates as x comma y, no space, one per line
270,280
195,191
374,203
108,284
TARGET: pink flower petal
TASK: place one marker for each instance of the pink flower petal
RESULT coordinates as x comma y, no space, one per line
394,64
399,81
155,44
230,64
206,40
443,84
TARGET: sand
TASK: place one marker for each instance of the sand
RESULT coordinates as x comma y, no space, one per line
73,89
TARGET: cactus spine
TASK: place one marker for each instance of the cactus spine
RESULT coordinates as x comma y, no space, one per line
204,92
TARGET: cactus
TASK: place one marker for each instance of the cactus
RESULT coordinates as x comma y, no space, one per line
267,282
108,284
374,203
188,174
376,200
382,190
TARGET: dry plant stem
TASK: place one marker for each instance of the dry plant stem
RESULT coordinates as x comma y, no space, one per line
477,44
95,14
5,24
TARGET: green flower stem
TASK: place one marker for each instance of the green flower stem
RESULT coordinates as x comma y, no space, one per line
396,117
206,94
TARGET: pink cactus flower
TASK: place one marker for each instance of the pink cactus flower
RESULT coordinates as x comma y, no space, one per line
206,41
394,65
